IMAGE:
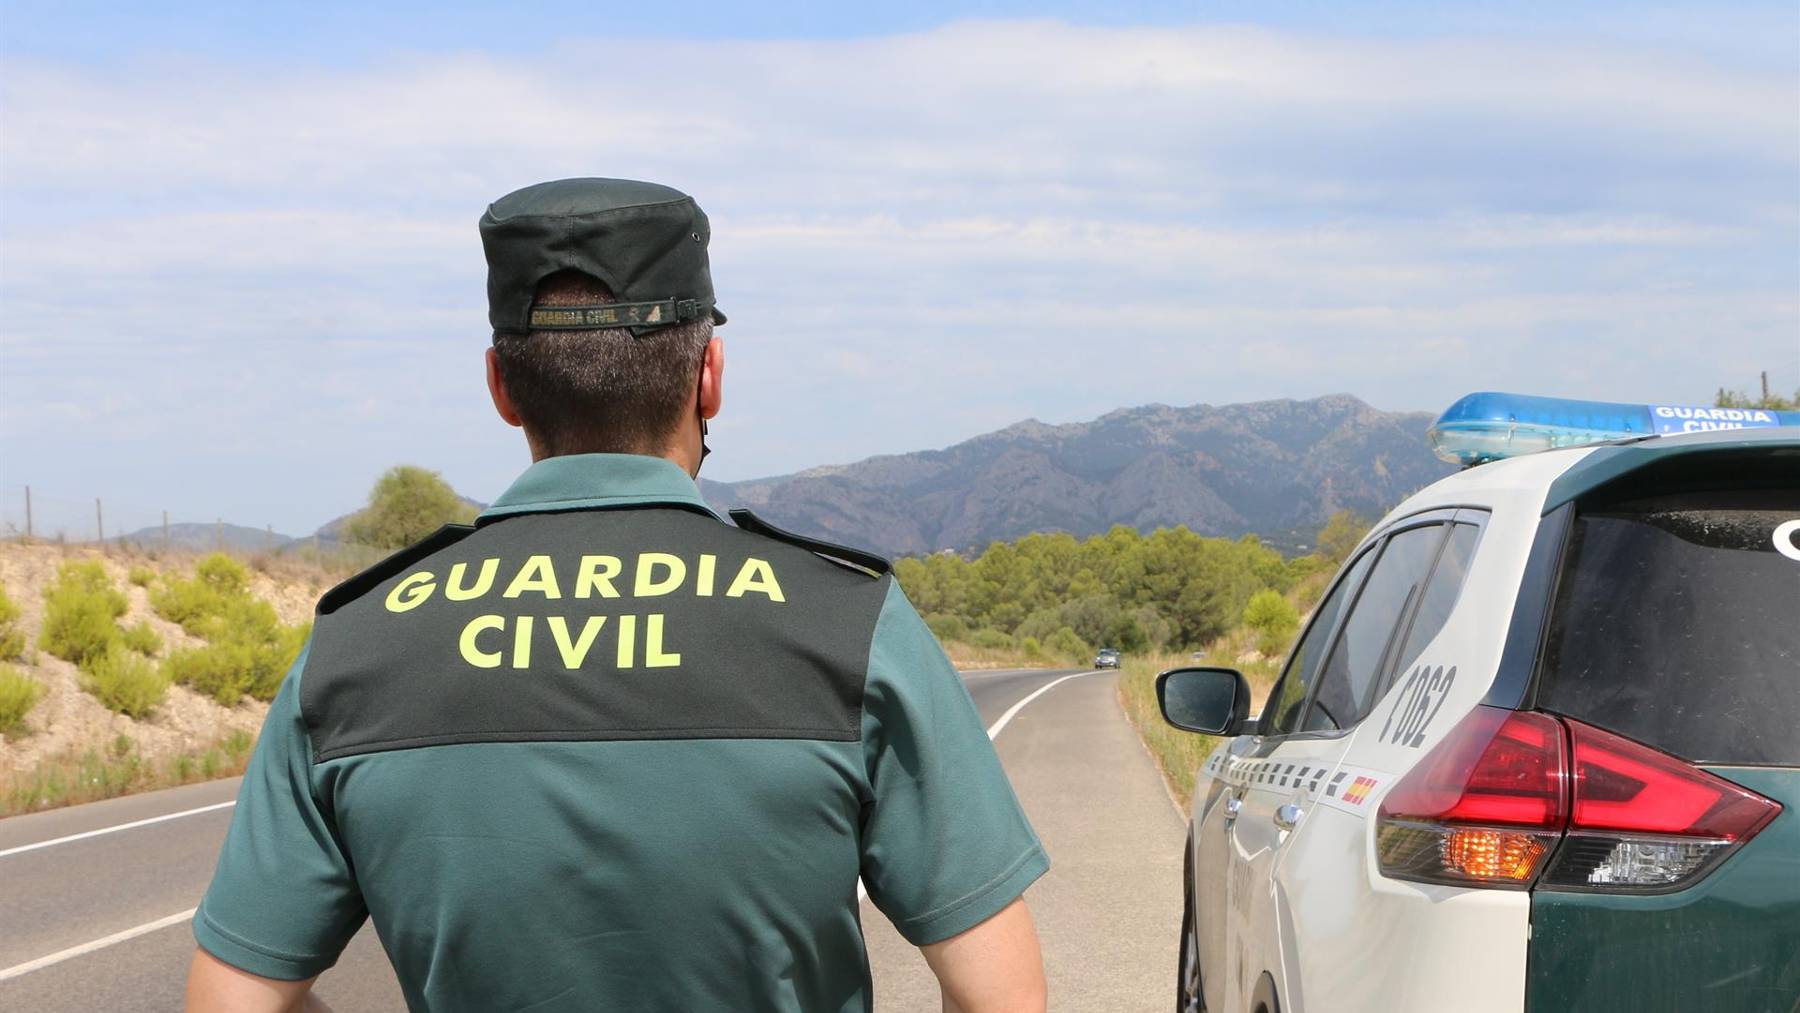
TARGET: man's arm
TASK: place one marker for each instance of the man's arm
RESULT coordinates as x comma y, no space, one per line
994,967
947,850
216,987
283,900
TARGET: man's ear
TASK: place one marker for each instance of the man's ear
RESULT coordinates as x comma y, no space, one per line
712,378
503,402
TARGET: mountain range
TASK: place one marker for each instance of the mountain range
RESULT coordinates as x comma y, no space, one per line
1276,469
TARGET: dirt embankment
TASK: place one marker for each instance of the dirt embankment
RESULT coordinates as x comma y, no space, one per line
68,722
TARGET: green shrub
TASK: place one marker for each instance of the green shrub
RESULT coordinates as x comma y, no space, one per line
201,602
230,667
141,576
1342,532
406,504
1065,643
991,639
247,649
221,671
948,627
141,638
12,638
18,694
80,613
125,682
1274,619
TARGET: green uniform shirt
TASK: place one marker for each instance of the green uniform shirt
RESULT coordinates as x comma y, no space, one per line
605,751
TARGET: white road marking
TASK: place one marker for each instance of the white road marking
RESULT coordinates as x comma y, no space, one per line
978,674
113,830
994,729
97,944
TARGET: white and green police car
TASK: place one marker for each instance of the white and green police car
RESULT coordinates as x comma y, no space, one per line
1538,747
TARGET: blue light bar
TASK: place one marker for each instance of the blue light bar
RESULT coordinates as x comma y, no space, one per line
1489,426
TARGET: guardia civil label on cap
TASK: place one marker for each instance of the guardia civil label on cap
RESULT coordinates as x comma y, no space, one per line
608,315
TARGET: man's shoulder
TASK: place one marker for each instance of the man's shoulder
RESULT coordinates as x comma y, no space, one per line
848,557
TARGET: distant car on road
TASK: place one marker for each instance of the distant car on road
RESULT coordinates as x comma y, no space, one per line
1536,748
1107,658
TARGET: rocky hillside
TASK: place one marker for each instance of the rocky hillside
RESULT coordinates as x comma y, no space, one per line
1266,467
68,736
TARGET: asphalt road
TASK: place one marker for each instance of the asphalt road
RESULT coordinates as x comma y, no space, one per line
100,922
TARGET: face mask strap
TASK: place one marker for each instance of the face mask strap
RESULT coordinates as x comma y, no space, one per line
704,449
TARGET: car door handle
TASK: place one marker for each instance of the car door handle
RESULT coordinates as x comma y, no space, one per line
1232,807
1287,816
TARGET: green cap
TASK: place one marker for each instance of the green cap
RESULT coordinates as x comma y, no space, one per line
645,241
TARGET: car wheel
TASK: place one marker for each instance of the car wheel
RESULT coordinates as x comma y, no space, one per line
1188,998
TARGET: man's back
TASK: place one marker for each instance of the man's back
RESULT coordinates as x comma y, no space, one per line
607,751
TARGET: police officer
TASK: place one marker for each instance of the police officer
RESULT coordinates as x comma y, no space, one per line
603,750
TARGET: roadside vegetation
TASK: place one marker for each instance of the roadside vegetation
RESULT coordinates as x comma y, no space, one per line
119,769
125,682
247,651
81,626
102,693
406,504
1727,398
12,634
118,662
1057,599
1166,599
1179,754
18,694
81,612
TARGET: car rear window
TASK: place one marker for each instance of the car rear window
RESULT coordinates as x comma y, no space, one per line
1677,623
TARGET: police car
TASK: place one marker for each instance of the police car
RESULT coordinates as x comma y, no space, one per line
1538,747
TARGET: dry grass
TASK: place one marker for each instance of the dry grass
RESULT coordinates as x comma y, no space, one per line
969,656
119,769
1180,753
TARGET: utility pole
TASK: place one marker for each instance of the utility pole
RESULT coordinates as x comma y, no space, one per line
219,534
99,523
28,513
165,530
1765,386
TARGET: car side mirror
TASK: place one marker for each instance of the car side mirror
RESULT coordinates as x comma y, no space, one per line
1212,701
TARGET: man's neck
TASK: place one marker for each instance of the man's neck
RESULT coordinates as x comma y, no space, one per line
679,456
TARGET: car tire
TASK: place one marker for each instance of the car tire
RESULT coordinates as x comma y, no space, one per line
1188,996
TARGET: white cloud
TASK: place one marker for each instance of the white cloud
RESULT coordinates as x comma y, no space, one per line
918,236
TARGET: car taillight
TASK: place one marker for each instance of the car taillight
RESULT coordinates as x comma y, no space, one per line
1644,821
1484,807
1515,798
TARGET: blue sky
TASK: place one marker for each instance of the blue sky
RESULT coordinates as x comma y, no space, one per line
240,275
